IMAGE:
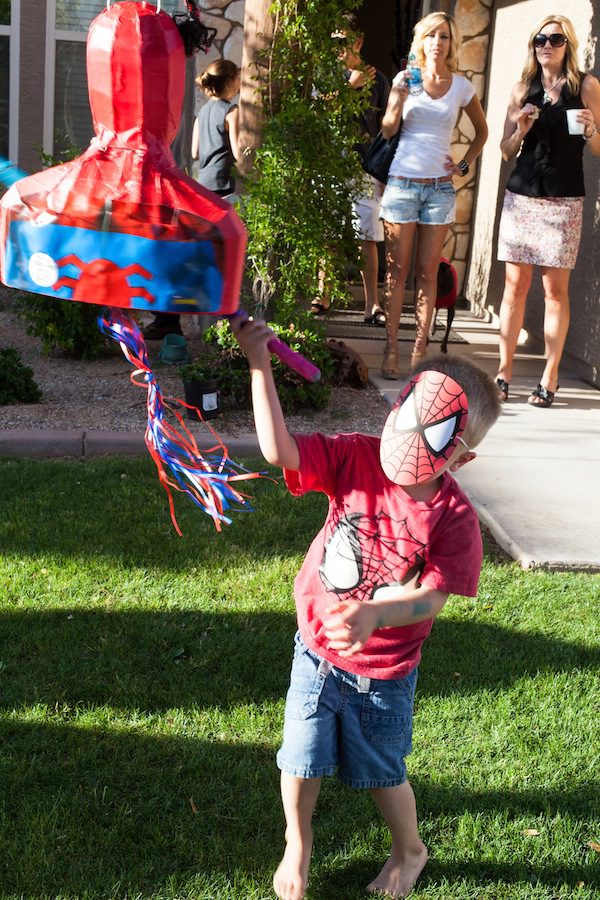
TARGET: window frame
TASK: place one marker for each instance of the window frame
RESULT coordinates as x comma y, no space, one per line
13,33
53,35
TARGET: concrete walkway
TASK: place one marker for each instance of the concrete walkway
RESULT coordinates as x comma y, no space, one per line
535,484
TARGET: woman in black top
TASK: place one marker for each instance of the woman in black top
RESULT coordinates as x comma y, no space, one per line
542,212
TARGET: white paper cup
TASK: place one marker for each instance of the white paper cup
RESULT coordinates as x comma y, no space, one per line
573,125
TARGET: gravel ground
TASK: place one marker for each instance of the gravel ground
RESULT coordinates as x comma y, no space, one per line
98,395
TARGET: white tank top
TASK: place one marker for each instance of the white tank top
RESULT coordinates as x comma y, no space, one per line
427,127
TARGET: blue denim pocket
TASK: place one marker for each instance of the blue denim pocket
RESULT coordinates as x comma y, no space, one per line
306,684
387,713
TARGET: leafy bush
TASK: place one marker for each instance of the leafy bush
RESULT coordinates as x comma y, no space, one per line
226,361
63,325
298,194
16,380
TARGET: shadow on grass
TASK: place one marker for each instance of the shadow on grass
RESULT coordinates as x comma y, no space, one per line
155,661
82,811
469,879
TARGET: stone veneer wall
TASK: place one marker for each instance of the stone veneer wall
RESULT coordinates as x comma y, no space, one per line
474,20
227,16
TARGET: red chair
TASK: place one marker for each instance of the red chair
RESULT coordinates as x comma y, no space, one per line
447,291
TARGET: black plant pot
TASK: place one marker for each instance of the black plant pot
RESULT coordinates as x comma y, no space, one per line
205,396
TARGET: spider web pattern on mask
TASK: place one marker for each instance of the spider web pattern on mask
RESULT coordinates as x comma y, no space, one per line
408,451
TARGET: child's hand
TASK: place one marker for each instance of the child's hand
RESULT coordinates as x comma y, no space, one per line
253,335
349,625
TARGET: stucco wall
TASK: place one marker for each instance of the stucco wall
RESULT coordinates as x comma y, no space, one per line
512,25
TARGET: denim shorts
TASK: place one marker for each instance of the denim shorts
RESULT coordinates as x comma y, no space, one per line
335,721
406,201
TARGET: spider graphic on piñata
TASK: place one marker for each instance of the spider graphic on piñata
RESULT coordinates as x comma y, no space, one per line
99,228
115,276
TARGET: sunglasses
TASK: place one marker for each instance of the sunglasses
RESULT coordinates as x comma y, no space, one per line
556,40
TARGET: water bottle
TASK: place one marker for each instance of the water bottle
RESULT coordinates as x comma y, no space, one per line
414,80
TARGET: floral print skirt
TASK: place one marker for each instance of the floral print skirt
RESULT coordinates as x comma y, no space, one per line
541,231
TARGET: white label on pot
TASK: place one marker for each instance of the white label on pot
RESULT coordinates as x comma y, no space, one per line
210,402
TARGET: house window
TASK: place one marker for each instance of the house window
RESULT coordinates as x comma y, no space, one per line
69,124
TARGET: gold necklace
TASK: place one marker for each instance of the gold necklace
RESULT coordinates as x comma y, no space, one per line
547,91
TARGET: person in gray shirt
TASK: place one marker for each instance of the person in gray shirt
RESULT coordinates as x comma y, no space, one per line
215,134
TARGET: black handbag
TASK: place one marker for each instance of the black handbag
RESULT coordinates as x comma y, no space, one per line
380,154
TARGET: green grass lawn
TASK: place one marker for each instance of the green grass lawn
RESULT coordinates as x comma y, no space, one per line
142,684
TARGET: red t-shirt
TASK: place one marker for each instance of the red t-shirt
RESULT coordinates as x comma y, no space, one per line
374,535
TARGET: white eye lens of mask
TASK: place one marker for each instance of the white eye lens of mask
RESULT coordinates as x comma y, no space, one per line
406,419
439,435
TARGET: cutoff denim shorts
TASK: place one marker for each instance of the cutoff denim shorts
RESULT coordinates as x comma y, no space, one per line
336,721
407,201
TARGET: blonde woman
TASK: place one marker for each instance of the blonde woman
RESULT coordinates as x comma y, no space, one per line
419,200
543,205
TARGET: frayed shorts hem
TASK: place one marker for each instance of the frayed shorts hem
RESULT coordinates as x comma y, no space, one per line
396,220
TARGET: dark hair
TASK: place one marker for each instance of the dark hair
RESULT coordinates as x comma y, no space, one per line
217,76
351,23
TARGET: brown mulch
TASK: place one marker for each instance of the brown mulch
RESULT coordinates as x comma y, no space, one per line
98,395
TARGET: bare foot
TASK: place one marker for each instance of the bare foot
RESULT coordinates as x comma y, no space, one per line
397,878
291,877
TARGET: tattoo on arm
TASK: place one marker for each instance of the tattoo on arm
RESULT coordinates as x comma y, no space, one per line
422,608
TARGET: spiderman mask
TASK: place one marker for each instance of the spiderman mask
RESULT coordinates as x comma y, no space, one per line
423,428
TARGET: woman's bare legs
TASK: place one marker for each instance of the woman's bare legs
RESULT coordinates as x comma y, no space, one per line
512,313
369,267
409,854
398,249
430,241
556,322
299,797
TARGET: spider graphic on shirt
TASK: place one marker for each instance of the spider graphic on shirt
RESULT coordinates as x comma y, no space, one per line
364,554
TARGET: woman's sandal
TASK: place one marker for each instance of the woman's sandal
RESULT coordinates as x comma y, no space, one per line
416,358
503,387
389,366
376,318
542,397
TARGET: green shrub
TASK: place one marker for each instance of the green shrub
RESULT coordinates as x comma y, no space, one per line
16,380
226,361
62,325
